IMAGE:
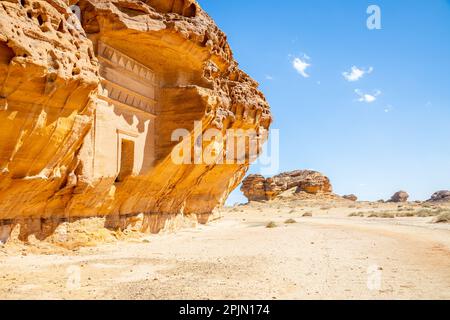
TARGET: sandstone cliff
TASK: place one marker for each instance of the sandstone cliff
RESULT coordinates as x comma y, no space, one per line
257,188
90,96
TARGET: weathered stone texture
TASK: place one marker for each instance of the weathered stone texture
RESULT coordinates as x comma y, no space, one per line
257,188
87,109
351,197
440,196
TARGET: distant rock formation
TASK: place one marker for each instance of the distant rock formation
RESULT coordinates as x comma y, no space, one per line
351,197
257,188
254,187
401,196
440,196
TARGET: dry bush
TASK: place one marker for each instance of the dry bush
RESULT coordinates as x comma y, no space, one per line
426,213
356,214
290,221
383,215
406,214
271,225
307,214
443,217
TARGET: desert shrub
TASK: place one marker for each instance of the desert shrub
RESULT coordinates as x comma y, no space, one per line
443,217
290,221
405,214
356,214
383,215
307,214
425,213
271,225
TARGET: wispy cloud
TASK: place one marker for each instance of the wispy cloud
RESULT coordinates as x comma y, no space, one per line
356,73
269,77
367,97
301,64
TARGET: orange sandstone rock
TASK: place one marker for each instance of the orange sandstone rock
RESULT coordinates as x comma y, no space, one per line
90,96
257,188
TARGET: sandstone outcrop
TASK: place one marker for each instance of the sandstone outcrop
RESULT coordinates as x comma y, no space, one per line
400,196
257,188
440,196
90,96
350,197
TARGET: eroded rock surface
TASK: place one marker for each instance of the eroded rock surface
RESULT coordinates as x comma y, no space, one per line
350,197
88,107
440,196
257,188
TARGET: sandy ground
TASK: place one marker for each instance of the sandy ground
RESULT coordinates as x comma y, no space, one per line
327,256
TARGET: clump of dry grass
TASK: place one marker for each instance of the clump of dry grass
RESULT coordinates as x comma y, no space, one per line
271,225
426,213
325,208
382,214
405,214
356,214
443,217
307,214
402,213
290,221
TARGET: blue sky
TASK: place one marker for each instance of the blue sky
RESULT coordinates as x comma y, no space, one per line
401,140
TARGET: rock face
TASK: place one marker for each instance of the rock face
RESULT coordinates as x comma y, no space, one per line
257,188
254,187
351,197
91,95
401,196
439,196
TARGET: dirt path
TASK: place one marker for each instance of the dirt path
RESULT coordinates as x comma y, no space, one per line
324,257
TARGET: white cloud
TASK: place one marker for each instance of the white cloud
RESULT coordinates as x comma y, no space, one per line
268,77
366,97
356,73
301,64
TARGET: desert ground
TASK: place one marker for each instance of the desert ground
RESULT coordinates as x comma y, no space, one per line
281,250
